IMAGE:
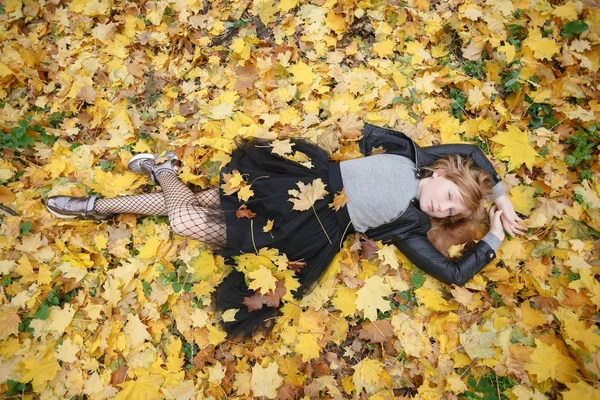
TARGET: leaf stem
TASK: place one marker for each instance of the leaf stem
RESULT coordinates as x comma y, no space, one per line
322,227
252,234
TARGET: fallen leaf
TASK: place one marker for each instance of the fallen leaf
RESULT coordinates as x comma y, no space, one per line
308,194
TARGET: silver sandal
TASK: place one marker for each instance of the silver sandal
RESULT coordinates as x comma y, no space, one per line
72,207
145,164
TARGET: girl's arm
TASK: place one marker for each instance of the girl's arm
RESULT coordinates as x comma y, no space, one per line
426,257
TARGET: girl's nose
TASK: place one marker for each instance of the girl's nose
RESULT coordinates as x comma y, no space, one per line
442,206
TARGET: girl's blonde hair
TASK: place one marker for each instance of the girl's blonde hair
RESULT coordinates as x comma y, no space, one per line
475,186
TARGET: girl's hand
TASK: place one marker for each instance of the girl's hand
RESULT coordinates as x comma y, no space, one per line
509,218
495,223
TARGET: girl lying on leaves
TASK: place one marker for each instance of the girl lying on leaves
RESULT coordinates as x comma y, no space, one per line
421,199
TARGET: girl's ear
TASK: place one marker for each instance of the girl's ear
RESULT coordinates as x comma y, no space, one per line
439,172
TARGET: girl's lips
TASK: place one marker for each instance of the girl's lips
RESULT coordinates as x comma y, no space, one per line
431,206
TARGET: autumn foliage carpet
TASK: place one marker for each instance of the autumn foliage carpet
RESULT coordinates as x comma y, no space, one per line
123,308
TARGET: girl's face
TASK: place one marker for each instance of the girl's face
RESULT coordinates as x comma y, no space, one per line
439,197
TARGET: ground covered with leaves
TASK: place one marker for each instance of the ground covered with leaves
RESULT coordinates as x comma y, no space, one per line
123,308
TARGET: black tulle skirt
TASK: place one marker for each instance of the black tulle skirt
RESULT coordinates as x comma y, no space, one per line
298,234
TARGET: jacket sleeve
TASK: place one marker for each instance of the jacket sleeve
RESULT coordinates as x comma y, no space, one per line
468,151
426,257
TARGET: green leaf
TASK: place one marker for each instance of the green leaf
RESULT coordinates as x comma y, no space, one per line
25,228
147,288
107,165
417,278
42,312
47,139
574,28
176,287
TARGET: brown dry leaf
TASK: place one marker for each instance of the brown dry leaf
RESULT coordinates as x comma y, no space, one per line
244,212
595,4
369,249
119,375
245,77
9,322
270,299
379,331
296,266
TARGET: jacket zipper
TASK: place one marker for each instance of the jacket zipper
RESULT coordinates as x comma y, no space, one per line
416,158
395,219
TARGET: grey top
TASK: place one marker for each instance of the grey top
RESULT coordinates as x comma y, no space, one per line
379,187
374,201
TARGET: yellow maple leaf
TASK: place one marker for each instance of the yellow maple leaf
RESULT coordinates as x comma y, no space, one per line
146,387
266,10
262,279
245,193
516,150
114,185
478,343
303,73
229,315
370,297
581,390
409,332
344,300
204,265
171,122
39,370
339,200
308,194
232,182
455,384
100,241
531,316
60,318
282,147
173,349
307,346
433,300
265,381
589,195
335,22
387,255
287,5
385,48
522,199
221,111
579,332
150,248
67,351
543,48
268,226
91,9
548,362
136,331
370,375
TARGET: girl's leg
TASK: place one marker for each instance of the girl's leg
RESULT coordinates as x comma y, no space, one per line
187,217
151,204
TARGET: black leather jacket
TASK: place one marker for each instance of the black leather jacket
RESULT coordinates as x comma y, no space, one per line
409,231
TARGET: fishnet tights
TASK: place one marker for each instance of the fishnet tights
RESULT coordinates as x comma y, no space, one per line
194,215
151,204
